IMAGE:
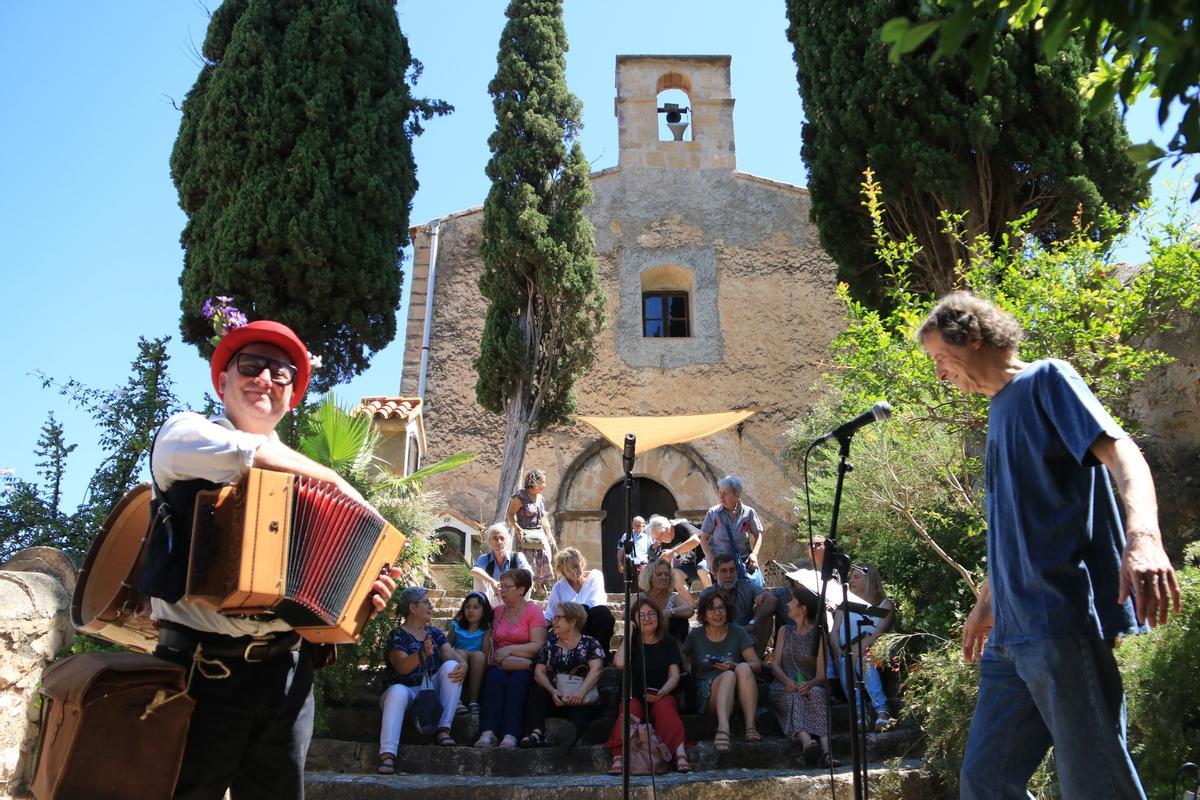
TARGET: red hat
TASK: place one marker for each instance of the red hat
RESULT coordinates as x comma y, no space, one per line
267,332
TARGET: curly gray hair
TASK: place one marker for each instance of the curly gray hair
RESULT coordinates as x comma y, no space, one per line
961,317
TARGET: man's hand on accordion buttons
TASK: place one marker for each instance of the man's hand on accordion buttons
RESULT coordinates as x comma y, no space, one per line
384,587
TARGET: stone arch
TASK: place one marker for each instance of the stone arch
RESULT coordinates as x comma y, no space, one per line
673,80
580,494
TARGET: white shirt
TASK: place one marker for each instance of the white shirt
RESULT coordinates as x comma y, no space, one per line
591,593
190,446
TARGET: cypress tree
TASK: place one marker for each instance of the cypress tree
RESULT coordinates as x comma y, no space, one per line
1020,141
294,166
539,276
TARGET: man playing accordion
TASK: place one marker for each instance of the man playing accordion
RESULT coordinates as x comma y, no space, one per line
251,675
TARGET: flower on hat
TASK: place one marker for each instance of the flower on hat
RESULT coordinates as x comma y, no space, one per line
314,362
224,316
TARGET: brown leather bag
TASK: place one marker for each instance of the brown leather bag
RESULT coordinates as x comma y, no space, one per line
114,726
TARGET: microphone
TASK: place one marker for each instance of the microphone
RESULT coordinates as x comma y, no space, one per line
879,412
631,444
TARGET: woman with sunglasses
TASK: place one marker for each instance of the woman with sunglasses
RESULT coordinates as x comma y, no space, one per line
724,662
866,582
518,632
655,670
578,584
567,651
417,651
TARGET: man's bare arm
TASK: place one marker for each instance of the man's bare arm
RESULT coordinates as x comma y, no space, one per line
978,624
281,458
1146,572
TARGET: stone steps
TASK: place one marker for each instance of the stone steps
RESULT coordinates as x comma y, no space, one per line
913,782
773,752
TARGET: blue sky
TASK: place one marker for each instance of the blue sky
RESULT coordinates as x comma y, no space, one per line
89,220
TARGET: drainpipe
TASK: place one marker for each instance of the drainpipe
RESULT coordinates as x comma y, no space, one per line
429,284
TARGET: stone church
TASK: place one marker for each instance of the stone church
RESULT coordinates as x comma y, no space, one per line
719,298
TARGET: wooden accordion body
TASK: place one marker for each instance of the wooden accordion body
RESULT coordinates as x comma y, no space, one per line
293,546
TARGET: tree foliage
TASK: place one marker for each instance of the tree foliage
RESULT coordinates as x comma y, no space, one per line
545,305
940,139
1142,45
918,491
126,419
294,166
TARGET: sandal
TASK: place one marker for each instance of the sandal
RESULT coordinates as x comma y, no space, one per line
752,735
681,763
721,742
534,739
509,742
486,740
617,767
828,761
443,738
387,765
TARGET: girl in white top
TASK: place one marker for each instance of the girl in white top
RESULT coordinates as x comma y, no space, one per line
578,584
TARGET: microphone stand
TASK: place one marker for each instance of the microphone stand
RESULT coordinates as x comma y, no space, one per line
834,559
627,673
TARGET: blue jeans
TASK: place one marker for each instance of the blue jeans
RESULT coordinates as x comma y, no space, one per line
872,681
1066,692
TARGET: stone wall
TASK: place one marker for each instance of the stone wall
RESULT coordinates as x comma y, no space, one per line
1166,405
35,627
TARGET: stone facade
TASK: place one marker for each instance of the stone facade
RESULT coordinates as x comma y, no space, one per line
673,215
35,627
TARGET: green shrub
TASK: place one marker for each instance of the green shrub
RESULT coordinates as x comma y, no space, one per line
1162,691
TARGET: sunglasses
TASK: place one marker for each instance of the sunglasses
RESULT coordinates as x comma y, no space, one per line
251,366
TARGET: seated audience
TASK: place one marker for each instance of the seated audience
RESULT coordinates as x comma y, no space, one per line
578,584
867,584
753,608
567,651
655,583
724,662
678,542
417,649
470,637
641,545
499,559
798,693
518,633
656,657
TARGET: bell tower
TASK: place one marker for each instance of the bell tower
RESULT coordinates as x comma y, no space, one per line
675,112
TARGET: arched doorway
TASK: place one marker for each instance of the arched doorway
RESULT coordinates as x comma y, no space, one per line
453,549
649,497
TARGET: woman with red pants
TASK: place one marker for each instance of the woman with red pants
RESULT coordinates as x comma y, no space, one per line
658,655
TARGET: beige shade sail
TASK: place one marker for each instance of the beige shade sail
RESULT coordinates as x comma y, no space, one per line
652,432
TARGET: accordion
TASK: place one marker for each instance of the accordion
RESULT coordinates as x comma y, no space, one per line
292,546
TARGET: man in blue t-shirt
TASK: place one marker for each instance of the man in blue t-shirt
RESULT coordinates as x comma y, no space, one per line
1061,571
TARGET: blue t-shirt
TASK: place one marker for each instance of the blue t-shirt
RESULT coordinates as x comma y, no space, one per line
465,639
1054,534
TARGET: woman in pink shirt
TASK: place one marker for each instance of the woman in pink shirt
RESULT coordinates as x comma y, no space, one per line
518,632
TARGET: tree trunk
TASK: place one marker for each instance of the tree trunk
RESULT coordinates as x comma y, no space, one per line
516,437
